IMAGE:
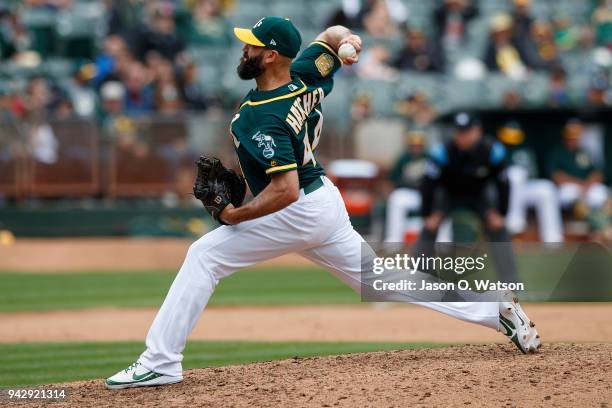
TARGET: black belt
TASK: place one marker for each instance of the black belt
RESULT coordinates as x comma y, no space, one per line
314,186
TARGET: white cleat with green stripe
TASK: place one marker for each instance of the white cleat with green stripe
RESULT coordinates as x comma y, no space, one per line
515,324
138,376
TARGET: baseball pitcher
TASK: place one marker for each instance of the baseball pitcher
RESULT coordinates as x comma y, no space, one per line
295,208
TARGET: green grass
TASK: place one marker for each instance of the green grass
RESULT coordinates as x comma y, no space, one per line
44,363
261,286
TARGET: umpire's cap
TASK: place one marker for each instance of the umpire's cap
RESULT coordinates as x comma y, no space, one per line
275,33
465,120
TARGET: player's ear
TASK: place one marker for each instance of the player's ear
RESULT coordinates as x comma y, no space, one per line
270,56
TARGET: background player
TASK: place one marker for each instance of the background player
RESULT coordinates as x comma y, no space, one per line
295,208
469,172
527,190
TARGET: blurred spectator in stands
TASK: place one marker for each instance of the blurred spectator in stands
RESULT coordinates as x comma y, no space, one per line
417,110
598,89
558,92
166,89
602,20
374,64
511,99
112,63
450,20
566,35
12,105
579,180
504,53
361,107
522,18
64,109
117,127
527,190
206,24
377,20
541,50
83,97
191,89
406,176
124,18
418,54
41,140
38,98
6,106
352,12
112,96
347,15
160,33
14,37
139,96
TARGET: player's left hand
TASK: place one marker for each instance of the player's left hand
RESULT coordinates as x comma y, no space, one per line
217,187
355,41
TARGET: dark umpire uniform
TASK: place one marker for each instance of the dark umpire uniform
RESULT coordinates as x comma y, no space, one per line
469,172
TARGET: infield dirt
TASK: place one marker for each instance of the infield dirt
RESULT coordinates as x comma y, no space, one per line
560,375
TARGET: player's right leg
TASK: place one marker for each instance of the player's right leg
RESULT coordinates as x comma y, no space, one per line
214,256
400,202
542,195
516,220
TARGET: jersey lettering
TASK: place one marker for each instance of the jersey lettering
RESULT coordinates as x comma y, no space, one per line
301,108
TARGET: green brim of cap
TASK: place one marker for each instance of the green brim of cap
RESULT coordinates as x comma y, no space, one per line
246,36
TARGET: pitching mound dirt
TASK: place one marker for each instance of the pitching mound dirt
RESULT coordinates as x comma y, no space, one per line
561,375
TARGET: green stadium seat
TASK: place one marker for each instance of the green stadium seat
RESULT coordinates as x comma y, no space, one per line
535,89
58,67
495,86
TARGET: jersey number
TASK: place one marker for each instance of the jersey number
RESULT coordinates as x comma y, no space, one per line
308,148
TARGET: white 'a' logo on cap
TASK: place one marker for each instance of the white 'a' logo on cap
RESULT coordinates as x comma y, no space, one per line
257,24
272,42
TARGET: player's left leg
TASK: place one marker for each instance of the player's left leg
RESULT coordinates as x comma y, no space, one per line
341,253
542,195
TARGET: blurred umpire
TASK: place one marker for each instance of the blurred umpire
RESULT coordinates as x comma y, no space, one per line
469,173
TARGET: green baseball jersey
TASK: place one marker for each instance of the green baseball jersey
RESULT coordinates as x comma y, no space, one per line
279,130
524,157
575,163
408,170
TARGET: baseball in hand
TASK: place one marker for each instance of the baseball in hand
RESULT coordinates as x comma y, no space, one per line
347,51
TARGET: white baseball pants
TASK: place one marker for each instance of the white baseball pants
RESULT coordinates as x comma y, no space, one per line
595,196
316,226
402,201
539,194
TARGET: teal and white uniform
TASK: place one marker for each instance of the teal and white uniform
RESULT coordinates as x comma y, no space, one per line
276,131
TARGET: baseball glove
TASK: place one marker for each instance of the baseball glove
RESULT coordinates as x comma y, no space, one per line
217,186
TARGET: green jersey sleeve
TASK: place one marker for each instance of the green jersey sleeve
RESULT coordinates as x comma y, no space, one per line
317,65
271,147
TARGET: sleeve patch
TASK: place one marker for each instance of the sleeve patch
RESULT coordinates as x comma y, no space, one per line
325,64
266,143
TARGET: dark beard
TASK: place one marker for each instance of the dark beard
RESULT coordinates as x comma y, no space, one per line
250,68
